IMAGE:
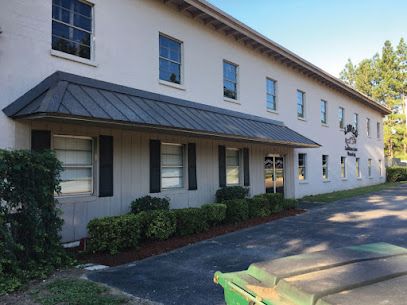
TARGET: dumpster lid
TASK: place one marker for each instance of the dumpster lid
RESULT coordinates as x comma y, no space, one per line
359,275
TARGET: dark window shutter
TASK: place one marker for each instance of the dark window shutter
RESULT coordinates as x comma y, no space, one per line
40,140
155,166
222,165
105,166
246,166
192,183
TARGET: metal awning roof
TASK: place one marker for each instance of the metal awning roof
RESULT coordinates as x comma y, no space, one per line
73,97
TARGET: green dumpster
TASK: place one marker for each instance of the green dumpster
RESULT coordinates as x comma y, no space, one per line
369,274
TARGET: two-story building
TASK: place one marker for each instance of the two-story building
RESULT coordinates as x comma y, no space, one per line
174,98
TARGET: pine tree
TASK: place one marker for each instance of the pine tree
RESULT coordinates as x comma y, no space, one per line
384,78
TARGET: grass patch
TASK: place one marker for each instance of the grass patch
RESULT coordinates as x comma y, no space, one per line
72,291
334,196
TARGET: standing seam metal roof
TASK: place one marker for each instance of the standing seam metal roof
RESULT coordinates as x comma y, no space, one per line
71,96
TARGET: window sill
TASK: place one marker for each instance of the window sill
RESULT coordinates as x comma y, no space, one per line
67,199
370,177
272,111
359,178
324,125
326,181
230,100
175,190
73,58
301,119
344,179
172,85
303,182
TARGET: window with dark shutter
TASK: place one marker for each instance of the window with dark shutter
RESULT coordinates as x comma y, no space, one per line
222,166
246,167
105,166
155,166
192,182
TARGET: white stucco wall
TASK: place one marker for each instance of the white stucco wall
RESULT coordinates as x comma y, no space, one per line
126,53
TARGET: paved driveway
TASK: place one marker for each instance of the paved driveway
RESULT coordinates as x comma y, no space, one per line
184,276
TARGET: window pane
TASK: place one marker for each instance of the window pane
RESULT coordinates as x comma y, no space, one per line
83,22
229,71
232,175
83,8
172,166
230,90
270,87
271,102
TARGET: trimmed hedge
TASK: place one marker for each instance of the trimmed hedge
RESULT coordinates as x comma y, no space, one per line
148,203
289,204
161,224
275,201
231,193
396,174
259,207
215,213
237,210
190,221
112,234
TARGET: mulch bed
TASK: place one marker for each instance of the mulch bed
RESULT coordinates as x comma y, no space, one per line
152,248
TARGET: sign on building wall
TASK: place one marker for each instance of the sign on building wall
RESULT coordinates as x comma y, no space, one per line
351,135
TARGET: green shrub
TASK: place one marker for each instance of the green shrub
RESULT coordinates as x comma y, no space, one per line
275,201
161,225
112,234
237,210
259,207
396,174
289,204
231,192
148,203
215,213
190,221
30,220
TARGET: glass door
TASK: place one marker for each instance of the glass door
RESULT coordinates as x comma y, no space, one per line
274,174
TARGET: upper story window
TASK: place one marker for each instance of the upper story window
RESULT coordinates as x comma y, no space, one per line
323,109
300,104
72,27
232,166
76,155
368,127
229,80
170,59
325,167
341,117
302,166
356,121
378,130
271,95
172,165
380,168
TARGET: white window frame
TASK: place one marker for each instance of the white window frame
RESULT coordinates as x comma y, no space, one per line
357,168
181,63
356,121
324,113
343,167
273,94
341,112
304,167
300,117
92,166
75,57
368,127
183,166
227,98
239,166
325,167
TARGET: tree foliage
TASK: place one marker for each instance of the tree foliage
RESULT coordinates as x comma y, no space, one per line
384,78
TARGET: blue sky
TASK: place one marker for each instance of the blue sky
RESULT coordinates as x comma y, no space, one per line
325,33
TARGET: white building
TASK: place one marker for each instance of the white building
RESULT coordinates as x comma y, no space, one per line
174,98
